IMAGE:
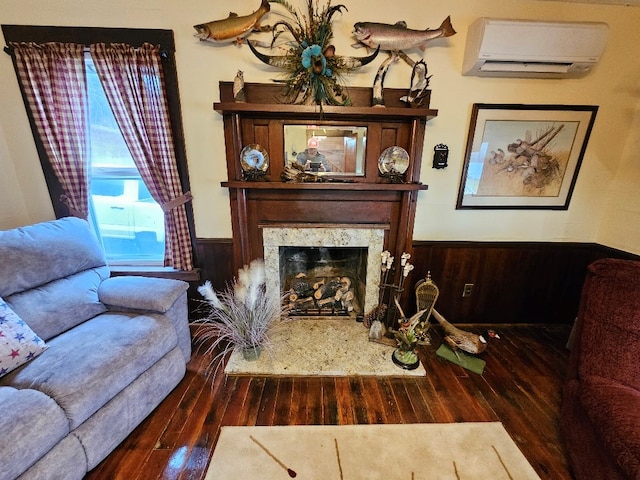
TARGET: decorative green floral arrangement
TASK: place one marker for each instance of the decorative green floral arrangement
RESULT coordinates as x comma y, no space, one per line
313,70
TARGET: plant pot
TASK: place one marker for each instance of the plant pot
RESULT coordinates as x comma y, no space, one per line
251,354
407,359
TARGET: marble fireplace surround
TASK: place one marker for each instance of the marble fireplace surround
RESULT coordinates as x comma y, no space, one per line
369,236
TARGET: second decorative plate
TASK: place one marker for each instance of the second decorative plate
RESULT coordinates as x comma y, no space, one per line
253,157
393,160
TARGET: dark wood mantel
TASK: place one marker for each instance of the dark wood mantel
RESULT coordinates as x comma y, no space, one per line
399,187
361,200
266,100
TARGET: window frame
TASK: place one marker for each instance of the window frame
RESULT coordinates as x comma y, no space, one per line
135,38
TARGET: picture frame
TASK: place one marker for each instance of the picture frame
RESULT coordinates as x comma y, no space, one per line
524,156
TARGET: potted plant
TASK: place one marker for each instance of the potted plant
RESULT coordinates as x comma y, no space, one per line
240,316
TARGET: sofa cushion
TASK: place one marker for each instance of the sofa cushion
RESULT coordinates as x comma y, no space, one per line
61,304
88,365
66,461
109,426
18,343
37,254
614,410
31,424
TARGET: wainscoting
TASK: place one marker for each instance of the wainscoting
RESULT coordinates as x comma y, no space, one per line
513,282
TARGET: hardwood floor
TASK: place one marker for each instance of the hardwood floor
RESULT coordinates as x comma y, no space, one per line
520,387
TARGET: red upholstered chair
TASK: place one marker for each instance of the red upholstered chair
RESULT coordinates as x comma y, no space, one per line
600,414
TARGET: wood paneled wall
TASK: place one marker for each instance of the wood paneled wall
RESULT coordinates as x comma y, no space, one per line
514,282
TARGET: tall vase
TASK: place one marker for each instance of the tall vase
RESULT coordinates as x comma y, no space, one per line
252,353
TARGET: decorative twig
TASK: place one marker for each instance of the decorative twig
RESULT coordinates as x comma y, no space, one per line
292,473
335,440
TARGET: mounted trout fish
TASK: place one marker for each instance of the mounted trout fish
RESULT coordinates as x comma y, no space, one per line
398,37
233,28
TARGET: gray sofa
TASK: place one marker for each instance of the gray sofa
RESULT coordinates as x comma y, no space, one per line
116,347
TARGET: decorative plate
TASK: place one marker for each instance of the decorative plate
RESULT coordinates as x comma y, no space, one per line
393,160
253,157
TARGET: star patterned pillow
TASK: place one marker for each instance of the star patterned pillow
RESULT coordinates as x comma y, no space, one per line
18,343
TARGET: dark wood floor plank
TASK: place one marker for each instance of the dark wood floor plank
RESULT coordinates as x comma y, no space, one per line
158,465
391,411
299,407
359,405
422,409
249,413
181,412
373,400
445,387
237,401
401,401
266,410
520,387
314,401
346,413
284,402
330,414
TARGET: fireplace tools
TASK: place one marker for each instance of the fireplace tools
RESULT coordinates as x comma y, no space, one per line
384,316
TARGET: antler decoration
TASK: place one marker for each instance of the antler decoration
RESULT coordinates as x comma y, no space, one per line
312,68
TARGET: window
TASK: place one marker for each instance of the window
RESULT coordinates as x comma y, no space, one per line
121,209
123,214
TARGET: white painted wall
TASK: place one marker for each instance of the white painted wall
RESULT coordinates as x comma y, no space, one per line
620,225
605,207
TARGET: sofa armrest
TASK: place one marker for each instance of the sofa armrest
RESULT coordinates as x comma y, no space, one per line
141,293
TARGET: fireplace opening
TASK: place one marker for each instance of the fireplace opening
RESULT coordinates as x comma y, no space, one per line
323,281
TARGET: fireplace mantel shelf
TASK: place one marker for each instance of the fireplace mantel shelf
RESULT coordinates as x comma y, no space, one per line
282,110
399,187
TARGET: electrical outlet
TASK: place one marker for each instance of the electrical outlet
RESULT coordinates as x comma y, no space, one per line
468,289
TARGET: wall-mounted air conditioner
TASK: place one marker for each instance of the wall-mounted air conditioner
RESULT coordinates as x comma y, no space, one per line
523,48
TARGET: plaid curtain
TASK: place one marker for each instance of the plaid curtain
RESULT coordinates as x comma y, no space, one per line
53,79
134,84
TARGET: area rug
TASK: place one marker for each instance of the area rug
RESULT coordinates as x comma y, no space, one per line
369,452
322,347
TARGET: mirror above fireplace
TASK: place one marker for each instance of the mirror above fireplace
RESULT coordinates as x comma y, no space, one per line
326,149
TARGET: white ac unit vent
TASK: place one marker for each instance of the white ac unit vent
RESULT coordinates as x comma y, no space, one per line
523,48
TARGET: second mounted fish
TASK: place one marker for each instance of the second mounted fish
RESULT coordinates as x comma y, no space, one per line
398,37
